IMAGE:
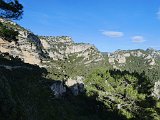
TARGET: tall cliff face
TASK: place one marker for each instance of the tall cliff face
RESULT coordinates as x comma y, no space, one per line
28,46
69,58
61,48
44,49
63,59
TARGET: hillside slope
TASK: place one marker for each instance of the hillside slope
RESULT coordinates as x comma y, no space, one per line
147,61
25,94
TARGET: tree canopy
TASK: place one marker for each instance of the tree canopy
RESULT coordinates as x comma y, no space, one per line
127,93
11,9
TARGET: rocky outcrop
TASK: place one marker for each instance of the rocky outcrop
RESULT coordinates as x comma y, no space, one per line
59,53
156,90
58,89
35,49
76,85
28,47
63,47
120,57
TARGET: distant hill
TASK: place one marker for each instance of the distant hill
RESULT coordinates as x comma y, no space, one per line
139,60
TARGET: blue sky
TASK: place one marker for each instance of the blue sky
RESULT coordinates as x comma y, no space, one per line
108,24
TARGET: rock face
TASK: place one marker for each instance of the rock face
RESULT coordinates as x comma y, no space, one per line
122,57
27,51
58,89
28,47
38,49
76,85
58,52
156,91
69,58
60,48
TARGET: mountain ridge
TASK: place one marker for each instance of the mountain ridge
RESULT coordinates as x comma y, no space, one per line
34,49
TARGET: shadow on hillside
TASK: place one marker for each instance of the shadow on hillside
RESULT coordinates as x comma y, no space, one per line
25,94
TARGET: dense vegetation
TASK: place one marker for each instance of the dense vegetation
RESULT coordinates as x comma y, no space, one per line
129,94
140,65
70,67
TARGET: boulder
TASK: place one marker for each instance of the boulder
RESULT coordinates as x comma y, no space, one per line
58,89
76,85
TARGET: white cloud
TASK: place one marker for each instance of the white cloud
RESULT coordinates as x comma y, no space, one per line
138,39
113,34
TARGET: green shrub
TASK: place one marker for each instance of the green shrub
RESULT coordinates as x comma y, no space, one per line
8,34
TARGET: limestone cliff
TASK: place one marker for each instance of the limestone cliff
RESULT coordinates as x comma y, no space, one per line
28,47
42,49
61,48
64,59
121,58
